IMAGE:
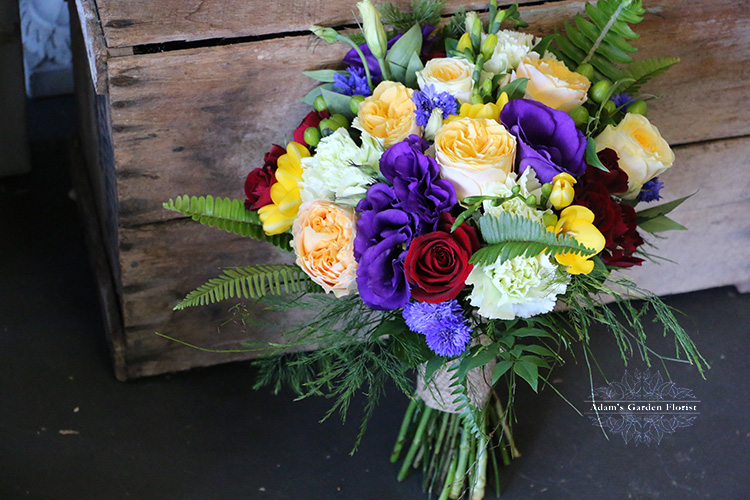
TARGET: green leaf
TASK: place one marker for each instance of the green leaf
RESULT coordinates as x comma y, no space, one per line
251,282
541,47
480,359
660,224
591,157
530,332
663,209
515,89
432,366
415,64
539,349
322,75
400,53
644,70
310,97
535,360
500,369
338,103
529,372
511,236
229,215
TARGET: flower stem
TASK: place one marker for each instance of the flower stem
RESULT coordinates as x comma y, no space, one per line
415,443
463,455
449,480
384,69
480,470
506,429
401,439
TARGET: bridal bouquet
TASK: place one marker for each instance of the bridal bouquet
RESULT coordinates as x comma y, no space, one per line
457,202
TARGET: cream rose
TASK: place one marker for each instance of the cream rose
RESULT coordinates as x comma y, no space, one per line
449,74
474,153
388,114
552,83
642,150
511,48
323,240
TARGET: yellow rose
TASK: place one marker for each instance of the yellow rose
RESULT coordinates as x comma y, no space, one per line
278,216
642,150
552,83
578,222
448,74
474,153
388,114
324,243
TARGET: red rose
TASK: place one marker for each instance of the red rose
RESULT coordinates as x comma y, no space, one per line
312,119
258,187
437,263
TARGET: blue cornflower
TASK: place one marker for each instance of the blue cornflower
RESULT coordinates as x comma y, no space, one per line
623,100
444,326
650,190
354,84
428,100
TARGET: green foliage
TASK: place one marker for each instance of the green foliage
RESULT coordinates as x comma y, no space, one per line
646,69
510,236
227,214
455,27
602,40
403,54
250,282
423,13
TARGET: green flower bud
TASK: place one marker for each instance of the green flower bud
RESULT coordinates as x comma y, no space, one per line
354,103
488,46
586,70
516,190
549,219
328,124
546,189
477,99
320,104
580,115
638,108
531,200
487,86
373,29
328,35
340,120
610,107
599,91
312,136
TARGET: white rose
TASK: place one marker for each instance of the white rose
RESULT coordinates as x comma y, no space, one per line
642,150
511,48
552,83
448,74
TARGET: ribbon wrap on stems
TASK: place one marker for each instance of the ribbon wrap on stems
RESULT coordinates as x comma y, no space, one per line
437,392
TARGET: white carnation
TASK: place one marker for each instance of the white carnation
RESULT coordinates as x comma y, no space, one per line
511,48
519,287
340,171
529,185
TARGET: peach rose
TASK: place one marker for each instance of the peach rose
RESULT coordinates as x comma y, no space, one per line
388,114
323,240
474,153
552,83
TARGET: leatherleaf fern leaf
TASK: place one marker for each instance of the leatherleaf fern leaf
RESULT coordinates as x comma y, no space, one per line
509,236
601,40
646,69
227,214
250,282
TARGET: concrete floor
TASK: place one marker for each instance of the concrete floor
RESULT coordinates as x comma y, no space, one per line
69,430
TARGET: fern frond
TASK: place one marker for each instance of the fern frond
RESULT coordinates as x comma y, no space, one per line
250,282
602,40
511,236
423,12
472,417
646,69
227,214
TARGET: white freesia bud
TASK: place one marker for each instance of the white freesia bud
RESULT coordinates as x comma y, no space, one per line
433,124
373,29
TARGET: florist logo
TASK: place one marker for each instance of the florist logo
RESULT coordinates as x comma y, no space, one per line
642,407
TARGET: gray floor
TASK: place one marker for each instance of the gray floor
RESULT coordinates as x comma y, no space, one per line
69,430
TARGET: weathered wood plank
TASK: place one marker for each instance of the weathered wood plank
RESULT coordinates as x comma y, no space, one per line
138,22
196,121
162,262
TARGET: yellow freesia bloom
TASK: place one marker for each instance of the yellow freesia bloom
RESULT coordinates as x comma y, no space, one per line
464,43
279,215
490,111
562,190
577,221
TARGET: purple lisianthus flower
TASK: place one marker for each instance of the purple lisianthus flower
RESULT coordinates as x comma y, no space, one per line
354,84
444,326
427,100
548,140
383,235
623,100
416,182
650,190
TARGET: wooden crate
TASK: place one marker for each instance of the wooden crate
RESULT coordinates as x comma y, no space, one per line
185,96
